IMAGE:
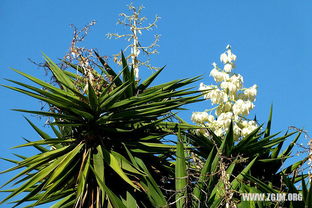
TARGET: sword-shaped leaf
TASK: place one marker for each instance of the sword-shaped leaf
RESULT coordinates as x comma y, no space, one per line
180,176
111,160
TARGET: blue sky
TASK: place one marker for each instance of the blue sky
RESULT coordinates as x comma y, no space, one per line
272,40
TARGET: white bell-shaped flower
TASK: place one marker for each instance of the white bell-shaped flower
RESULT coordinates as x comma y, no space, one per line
200,117
228,67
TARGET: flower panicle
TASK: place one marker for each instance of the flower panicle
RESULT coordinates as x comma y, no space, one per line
233,101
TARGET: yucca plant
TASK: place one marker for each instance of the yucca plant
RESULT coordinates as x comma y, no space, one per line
253,164
108,148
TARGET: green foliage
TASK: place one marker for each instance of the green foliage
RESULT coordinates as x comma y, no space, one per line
109,132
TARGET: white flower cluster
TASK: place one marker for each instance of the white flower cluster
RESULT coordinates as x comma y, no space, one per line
233,102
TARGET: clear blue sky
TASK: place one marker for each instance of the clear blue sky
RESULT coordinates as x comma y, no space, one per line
272,39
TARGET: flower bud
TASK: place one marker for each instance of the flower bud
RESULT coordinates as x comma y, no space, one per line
224,58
